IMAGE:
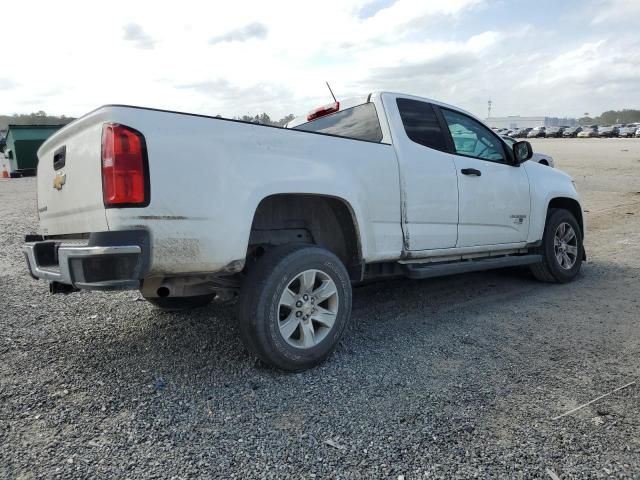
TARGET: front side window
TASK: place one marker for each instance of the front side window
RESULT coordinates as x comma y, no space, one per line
421,124
472,139
359,122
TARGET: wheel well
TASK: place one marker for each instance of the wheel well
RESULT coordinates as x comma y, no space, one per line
321,220
544,162
571,205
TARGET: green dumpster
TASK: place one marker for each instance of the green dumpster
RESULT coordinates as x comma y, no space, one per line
22,146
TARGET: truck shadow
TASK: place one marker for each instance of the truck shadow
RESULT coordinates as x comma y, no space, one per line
204,343
468,338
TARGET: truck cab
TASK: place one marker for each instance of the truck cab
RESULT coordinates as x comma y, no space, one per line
478,195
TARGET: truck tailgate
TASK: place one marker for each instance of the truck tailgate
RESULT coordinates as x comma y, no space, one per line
70,179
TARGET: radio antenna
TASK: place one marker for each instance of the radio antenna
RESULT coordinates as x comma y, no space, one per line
331,91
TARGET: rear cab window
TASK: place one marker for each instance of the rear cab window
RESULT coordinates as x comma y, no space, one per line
360,123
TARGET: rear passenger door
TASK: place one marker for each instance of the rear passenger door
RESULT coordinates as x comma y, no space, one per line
427,175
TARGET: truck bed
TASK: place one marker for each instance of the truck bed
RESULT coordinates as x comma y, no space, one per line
207,177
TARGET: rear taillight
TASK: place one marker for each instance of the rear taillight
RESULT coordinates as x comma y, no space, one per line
323,110
125,168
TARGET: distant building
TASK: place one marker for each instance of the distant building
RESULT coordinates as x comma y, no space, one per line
21,150
517,121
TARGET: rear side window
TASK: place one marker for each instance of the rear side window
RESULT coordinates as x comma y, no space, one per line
421,124
359,122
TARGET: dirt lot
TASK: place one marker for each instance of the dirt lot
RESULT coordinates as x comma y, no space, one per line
446,378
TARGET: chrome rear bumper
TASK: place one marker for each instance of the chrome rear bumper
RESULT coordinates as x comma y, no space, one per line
84,265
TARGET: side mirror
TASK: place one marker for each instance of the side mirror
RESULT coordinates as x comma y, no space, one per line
522,151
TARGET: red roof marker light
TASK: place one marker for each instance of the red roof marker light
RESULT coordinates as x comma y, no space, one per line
323,111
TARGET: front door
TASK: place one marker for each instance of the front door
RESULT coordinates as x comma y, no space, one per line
494,199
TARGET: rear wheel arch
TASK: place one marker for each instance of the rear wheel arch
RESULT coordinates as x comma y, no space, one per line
323,220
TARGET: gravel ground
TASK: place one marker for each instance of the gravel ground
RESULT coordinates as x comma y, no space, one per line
457,377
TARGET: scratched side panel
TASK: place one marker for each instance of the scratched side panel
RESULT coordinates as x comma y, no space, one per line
209,175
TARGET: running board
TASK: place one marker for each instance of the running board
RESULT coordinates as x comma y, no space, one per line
429,270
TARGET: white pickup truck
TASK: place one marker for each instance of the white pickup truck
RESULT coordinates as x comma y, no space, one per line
188,207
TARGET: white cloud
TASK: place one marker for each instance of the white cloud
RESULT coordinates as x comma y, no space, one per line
7,83
250,31
294,48
605,11
254,56
135,34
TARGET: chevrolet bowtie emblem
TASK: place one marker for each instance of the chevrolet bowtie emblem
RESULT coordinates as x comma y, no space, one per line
59,180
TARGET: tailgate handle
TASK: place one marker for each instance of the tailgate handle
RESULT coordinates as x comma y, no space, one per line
59,157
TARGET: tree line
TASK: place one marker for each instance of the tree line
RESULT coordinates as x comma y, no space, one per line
265,119
36,118
612,117
41,118
609,117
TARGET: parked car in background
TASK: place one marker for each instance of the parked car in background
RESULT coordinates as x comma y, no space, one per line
588,132
555,132
524,132
607,131
541,158
538,132
571,132
638,133
627,131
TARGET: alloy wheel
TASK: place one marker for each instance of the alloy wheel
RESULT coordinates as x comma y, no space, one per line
307,309
565,246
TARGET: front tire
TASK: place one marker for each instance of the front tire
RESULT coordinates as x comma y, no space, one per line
562,249
294,306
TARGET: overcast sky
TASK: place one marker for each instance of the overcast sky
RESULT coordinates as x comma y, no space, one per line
534,57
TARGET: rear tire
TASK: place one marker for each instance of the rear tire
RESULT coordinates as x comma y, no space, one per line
171,304
562,249
295,304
